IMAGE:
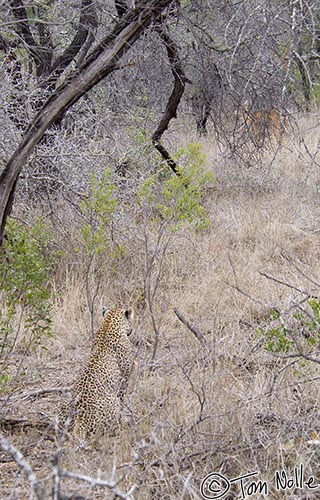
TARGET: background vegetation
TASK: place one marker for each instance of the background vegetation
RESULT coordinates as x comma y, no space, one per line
219,262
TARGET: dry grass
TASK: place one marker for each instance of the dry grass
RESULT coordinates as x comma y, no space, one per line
231,406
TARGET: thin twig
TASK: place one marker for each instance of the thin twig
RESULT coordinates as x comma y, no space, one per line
302,272
99,482
193,329
253,299
276,280
299,355
257,301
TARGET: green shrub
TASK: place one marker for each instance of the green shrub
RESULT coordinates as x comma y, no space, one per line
97,209
178,199
298,334
25,266
170,203
100,251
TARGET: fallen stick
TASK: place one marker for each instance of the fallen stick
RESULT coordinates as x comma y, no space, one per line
193,329
35,394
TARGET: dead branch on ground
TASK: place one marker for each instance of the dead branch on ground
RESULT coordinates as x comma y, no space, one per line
35,394
193,329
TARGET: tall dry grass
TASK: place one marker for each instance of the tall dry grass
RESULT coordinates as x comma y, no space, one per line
229,406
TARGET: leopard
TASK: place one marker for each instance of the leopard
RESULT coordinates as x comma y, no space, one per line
97,395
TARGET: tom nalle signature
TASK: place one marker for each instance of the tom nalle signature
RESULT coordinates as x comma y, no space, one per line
215,485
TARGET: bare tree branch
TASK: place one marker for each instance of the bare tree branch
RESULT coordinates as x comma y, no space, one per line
35,394
245,294
100,482
174,100
100,63
302,355
280,282
88,23
24,466
193,329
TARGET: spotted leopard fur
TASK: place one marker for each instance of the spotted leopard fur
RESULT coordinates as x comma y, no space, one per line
99,390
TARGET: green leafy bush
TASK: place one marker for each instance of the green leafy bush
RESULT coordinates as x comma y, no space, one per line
297,334
100,250
276,340
98,208
25,266
178,200
170,203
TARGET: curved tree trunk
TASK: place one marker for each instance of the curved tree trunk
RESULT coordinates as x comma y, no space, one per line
100,63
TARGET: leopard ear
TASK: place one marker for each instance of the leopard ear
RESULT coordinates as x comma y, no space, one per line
128,314
105,311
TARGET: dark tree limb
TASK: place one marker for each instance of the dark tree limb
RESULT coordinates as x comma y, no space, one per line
121,7
23,29
45,41
174,100
88,23
48,72
100,63
40,54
